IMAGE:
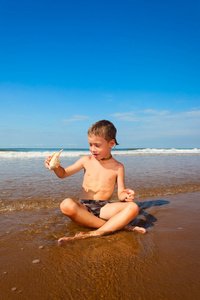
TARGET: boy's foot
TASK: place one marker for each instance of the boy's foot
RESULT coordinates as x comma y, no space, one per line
80,236
136,228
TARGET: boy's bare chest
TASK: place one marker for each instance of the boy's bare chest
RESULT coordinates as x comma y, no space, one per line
99,173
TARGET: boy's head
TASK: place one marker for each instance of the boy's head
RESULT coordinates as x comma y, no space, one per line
104,129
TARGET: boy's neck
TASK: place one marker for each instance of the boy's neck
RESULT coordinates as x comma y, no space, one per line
107,158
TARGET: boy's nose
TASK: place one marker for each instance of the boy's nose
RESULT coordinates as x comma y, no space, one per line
93,149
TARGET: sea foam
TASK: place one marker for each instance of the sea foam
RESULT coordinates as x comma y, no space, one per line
27,154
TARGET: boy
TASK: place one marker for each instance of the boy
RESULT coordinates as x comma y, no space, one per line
101,173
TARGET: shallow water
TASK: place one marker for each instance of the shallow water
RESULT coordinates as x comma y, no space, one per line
26,183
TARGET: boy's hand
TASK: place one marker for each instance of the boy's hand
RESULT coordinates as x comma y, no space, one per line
47,161
130,195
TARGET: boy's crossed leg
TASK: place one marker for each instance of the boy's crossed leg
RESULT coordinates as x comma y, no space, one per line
113,217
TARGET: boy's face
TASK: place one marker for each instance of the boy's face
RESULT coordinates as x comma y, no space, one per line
99,147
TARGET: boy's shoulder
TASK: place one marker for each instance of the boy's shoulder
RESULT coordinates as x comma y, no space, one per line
86,158
119,164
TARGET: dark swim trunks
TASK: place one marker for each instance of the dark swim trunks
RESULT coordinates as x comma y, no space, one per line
94,206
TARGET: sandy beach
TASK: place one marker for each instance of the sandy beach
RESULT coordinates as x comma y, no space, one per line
163,264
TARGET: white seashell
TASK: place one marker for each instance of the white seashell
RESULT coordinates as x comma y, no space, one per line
55,163
35,261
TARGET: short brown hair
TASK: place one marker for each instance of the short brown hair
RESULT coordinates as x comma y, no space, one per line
105,129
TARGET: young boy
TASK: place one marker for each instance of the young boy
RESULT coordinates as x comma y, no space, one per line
101,173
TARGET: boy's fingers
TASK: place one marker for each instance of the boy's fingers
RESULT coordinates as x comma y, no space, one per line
47,161
129,192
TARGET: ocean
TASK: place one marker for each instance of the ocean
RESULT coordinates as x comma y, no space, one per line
26,183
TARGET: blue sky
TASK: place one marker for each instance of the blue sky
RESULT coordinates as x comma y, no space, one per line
66,64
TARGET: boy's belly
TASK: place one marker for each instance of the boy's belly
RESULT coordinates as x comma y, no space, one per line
90,194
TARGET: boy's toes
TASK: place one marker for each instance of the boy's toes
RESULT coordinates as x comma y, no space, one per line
140,229
60,241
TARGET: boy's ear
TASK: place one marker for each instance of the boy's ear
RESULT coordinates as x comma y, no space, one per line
112,143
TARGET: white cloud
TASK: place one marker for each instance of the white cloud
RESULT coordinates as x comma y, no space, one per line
194,113
155,112
150,115
75,118
137,116
126,116
152,125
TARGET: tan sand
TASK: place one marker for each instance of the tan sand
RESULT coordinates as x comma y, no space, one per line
163,264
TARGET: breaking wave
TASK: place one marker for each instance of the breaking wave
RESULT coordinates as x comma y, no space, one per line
39,153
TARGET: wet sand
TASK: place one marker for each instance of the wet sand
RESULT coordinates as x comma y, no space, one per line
163,264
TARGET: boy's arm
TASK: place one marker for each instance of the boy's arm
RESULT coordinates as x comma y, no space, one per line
123,194
65,172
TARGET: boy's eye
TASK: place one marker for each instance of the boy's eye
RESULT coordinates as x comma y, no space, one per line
96,145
